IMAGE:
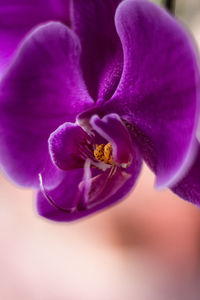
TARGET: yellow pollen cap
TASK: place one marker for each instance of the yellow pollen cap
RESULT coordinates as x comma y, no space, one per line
104,153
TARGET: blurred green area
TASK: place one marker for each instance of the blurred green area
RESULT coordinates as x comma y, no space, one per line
187,10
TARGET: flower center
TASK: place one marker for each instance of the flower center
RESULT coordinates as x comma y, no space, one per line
73,147
104,153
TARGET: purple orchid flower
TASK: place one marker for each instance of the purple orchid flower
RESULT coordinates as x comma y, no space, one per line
87,97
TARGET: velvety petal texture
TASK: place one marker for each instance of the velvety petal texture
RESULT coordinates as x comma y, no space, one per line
17,17
42,90
158,91
102,57
86,97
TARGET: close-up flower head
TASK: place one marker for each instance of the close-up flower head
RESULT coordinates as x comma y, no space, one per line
89,90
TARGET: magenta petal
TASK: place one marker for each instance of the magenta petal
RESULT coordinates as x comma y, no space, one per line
105,185
42,89
97,189
17,17
113,130
188,187
101,191
68,146
158,92
102,58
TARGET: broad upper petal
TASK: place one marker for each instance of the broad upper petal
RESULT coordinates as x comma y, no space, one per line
42,89
158,91
17,17
102,58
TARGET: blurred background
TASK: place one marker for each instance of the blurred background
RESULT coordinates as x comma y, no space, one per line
145,248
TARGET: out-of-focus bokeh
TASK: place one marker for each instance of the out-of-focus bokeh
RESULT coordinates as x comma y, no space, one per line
146,247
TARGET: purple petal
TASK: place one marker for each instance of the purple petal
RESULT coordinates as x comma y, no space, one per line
188,187
102,58
114,131
17,17
42,89
67,146
157,94
88,197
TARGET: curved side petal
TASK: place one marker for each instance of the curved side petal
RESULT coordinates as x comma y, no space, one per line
188,188
42,89
158,91
17,17
97,193
69,146
102,58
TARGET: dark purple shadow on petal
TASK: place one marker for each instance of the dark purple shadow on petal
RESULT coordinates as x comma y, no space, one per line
102,57
42,89
158,90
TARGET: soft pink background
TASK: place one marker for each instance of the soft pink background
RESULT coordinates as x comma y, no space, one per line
145,248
